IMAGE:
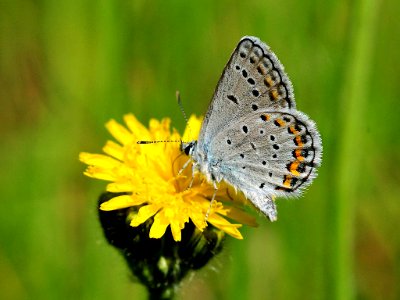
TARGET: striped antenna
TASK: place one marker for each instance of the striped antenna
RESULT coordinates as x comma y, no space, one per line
178,98
155,142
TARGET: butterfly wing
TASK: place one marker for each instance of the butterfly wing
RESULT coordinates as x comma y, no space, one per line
268,153
252,135
253,79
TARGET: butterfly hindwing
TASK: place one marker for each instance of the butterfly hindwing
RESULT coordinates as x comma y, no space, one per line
272,153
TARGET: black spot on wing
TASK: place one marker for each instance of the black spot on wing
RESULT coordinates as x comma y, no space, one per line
233,99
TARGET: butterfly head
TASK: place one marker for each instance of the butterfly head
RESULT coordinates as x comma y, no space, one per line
188,148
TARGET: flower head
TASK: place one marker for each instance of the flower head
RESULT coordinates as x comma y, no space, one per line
152,179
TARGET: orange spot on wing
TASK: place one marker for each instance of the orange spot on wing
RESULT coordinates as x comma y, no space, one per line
293,130
274,94
297,153
298,140
287,181
261,69
293,168
279,122
268,81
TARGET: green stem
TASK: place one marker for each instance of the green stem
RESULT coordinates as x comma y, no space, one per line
353,101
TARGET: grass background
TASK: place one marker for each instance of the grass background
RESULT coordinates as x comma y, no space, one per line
66,67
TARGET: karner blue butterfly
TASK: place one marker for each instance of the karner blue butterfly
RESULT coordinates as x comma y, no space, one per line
252,136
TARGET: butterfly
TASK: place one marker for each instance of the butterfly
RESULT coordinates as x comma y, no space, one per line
252,136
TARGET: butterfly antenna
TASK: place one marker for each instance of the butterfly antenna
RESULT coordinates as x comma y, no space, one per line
155,142
178,98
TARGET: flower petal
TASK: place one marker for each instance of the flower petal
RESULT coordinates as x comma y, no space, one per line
120,202
138,130
192,129
119,132
100,173
159,226
199,220
224,225
176,231
118,187
115,150
239,215
144,213
99,160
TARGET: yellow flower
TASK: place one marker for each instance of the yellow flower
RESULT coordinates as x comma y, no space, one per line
149,175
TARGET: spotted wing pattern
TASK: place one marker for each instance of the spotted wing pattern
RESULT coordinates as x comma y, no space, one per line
252,136
253,79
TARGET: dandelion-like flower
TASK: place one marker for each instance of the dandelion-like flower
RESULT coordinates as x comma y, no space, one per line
151,179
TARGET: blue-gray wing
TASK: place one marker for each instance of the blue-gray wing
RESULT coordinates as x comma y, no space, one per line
252,80
268,153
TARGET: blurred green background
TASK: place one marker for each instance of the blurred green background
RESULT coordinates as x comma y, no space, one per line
67,67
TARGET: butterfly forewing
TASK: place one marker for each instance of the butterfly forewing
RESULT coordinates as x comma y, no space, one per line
252,80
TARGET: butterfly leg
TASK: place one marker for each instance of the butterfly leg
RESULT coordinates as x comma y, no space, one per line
184,166
212,199
194,166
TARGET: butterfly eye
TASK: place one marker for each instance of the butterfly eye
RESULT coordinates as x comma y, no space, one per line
188,149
